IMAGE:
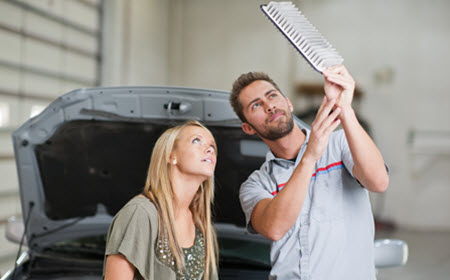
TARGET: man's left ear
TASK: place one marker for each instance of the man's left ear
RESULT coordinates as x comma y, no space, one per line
247,128
290,105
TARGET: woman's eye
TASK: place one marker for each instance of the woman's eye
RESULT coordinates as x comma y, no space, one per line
196,140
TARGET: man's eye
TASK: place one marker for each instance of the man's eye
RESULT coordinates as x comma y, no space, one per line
196,140
273,95
255,105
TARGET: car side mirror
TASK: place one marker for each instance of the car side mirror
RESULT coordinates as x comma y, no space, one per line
390,253
14,230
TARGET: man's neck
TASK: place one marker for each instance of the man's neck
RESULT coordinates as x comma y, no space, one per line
288,146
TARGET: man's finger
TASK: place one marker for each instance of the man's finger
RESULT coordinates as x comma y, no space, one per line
336,69
331,118
339,75
333,126
322,105
322,114
345,82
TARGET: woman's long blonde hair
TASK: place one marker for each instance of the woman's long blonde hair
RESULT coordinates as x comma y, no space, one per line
159,189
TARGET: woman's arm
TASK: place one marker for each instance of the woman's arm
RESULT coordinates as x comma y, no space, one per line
118,267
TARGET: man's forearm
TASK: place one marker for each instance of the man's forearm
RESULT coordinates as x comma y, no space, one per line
274,218
369,167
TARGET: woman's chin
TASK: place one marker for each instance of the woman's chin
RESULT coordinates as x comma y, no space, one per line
207,175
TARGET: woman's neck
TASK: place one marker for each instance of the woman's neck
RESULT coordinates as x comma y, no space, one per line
184,187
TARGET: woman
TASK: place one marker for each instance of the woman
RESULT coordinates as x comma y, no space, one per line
166,232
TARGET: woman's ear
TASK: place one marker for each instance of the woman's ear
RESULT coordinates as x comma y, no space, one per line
173,158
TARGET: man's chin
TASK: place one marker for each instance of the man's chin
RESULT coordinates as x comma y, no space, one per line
279,133
276,129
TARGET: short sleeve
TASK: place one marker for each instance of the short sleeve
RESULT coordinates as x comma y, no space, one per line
130,234
253,191
347,155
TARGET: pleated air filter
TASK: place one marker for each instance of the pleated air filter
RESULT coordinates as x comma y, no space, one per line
302,34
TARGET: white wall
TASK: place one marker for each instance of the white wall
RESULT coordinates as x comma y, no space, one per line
411,39
40,59
135,42
215,41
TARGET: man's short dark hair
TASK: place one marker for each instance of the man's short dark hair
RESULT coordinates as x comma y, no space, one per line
243,81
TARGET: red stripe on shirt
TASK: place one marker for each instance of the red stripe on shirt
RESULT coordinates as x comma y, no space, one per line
280,186
327,167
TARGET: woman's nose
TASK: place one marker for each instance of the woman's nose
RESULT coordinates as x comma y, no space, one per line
209,150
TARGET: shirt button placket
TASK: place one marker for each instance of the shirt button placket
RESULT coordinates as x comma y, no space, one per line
304,249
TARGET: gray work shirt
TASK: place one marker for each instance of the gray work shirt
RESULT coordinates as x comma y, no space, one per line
333,235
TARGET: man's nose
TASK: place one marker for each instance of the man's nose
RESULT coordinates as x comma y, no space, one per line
270,107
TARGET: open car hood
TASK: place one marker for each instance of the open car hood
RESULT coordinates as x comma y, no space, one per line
87,153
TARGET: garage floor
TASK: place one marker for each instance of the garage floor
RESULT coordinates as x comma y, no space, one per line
429,256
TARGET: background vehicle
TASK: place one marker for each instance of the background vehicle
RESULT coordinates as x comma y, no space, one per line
86,155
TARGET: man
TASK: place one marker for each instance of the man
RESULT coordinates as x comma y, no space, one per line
310,197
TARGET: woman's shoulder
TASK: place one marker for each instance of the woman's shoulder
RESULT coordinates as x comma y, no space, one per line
141,205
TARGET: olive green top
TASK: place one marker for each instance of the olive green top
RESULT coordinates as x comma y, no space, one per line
134,234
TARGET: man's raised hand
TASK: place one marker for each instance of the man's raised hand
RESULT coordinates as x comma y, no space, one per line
339,85
322,127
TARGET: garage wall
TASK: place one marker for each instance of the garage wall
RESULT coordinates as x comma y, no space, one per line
46,49
136,42
212,42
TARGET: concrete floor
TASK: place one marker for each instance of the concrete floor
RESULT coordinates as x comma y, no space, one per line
429,256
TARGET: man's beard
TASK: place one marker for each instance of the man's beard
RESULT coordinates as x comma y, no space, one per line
277,132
